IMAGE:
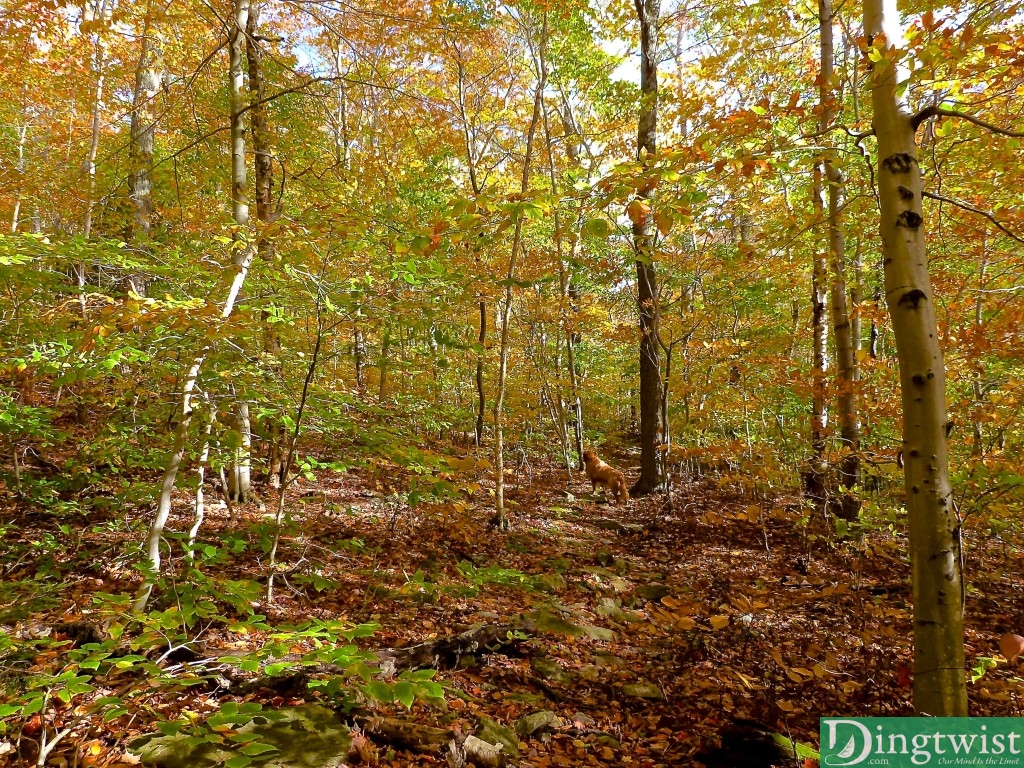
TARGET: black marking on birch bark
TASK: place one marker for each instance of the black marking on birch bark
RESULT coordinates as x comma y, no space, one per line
901,162
912,298
909,219
905,194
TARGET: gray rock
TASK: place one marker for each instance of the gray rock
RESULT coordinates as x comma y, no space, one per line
527,725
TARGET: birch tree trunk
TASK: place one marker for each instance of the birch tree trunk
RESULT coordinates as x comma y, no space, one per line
647,12
240,267
815,486
936,562
19,168
239,477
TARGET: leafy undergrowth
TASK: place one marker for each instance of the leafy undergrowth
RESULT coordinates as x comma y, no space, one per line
668,618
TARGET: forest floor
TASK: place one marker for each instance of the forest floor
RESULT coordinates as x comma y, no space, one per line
680,613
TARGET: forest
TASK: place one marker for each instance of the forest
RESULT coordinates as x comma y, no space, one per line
506,382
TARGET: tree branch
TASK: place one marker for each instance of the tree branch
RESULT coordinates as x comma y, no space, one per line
979,211
937,111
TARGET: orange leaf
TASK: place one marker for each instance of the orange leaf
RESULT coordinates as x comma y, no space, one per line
638,211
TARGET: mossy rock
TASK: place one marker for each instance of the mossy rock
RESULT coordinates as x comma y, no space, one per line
527,725
647,691
298,737
551,583
549,669
495,733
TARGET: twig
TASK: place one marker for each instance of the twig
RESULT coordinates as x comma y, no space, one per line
974,209
937,111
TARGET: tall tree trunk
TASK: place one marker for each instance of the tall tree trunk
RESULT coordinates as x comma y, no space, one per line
359,357
99,61
239,477
262,138
846,392
481,399
506,306
567,329
856,297
19,168
978,385
143,133
818,470
650,479
936,558
477,187
385,360
266,213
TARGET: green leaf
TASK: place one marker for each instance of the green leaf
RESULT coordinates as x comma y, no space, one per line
257,748
169,728
599,228
33,705
405,693
239,761
381,691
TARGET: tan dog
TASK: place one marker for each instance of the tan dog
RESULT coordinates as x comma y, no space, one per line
599,473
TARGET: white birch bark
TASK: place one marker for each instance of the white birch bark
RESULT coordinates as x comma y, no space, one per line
936,562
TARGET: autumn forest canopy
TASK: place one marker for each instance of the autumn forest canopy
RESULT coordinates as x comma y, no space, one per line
309,311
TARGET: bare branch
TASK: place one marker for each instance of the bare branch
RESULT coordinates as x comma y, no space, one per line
936,111
979,211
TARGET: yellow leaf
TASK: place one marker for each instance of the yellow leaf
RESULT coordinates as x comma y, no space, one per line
745,680
785,706
778,658
719,622
685,623
461,465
